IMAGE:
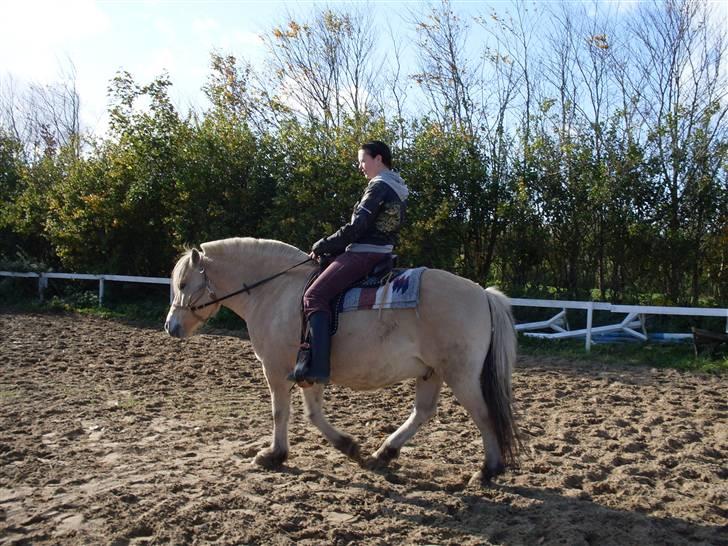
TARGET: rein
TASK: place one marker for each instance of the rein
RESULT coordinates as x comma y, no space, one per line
245,287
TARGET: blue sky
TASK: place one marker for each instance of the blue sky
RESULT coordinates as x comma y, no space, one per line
39,38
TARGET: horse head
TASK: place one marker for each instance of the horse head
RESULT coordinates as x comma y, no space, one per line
192,296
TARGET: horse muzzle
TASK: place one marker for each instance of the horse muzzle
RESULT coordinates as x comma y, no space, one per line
174,328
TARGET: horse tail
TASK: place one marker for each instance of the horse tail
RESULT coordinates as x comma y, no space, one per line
495,378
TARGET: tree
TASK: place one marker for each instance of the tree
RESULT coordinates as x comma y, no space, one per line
11,166
446,75
42,117
107,212
682,102
235,92
325,67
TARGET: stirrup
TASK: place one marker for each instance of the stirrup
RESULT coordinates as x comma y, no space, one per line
303,364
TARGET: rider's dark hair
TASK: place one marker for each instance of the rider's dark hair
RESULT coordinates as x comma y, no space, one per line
377,147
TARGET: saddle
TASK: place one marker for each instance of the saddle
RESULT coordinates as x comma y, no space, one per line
385,287
380,274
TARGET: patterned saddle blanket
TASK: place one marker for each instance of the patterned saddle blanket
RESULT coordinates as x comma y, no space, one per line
402,291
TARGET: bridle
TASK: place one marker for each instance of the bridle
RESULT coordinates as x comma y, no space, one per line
192,306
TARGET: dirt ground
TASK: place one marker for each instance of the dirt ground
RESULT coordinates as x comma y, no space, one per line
116,434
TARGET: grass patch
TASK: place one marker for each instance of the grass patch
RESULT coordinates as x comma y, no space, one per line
8,394
657,355
129,403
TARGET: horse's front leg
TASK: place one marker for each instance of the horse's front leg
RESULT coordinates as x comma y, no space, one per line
273,456
313,402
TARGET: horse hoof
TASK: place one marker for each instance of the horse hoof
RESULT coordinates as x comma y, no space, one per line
381,459
348,446
268,458
485,476
490,473
386,455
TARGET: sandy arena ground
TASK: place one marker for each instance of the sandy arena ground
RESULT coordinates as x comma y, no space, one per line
114,434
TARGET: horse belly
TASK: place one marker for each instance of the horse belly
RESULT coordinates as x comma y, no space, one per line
373,350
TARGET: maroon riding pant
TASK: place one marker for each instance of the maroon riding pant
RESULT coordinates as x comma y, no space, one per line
343,271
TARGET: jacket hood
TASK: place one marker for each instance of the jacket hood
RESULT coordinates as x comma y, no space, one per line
394,181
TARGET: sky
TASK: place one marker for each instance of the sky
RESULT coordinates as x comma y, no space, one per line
41,39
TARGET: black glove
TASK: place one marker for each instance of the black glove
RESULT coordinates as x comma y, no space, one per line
322,247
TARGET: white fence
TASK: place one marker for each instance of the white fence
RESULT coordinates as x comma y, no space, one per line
634,319
633,324
43,280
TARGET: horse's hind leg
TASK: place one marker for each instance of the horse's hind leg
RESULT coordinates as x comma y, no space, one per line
469,394
313,402
426,396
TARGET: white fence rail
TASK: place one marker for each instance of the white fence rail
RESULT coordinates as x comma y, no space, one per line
634,320
43,280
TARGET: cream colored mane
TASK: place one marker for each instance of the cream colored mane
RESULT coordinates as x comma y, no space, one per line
245,246
239,248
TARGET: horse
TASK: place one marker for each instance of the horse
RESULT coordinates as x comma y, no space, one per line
460,334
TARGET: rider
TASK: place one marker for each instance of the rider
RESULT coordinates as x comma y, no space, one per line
355,248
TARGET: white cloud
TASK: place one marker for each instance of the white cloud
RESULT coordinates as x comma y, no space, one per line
247,38
164,29
94,115
158,61
205,26
35,35
40,40
626,6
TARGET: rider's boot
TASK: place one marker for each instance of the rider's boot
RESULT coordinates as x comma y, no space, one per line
319,370
312,365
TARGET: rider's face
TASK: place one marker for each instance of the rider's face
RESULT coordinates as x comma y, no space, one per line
370,166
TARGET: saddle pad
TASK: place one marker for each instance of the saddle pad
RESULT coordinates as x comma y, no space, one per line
401,292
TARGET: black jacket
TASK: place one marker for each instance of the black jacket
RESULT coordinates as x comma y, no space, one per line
375,222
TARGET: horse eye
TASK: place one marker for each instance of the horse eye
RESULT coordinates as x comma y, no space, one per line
182,285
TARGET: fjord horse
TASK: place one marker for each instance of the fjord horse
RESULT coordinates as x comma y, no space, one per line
460,334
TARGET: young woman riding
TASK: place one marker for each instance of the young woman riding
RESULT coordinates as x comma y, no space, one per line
355,249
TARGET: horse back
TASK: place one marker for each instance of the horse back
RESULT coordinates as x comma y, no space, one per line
374,348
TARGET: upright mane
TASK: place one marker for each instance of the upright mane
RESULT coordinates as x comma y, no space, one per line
241,246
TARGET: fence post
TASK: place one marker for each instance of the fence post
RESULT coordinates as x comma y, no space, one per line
101,291
42,285
589,316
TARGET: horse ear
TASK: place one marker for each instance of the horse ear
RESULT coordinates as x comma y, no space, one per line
195,257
